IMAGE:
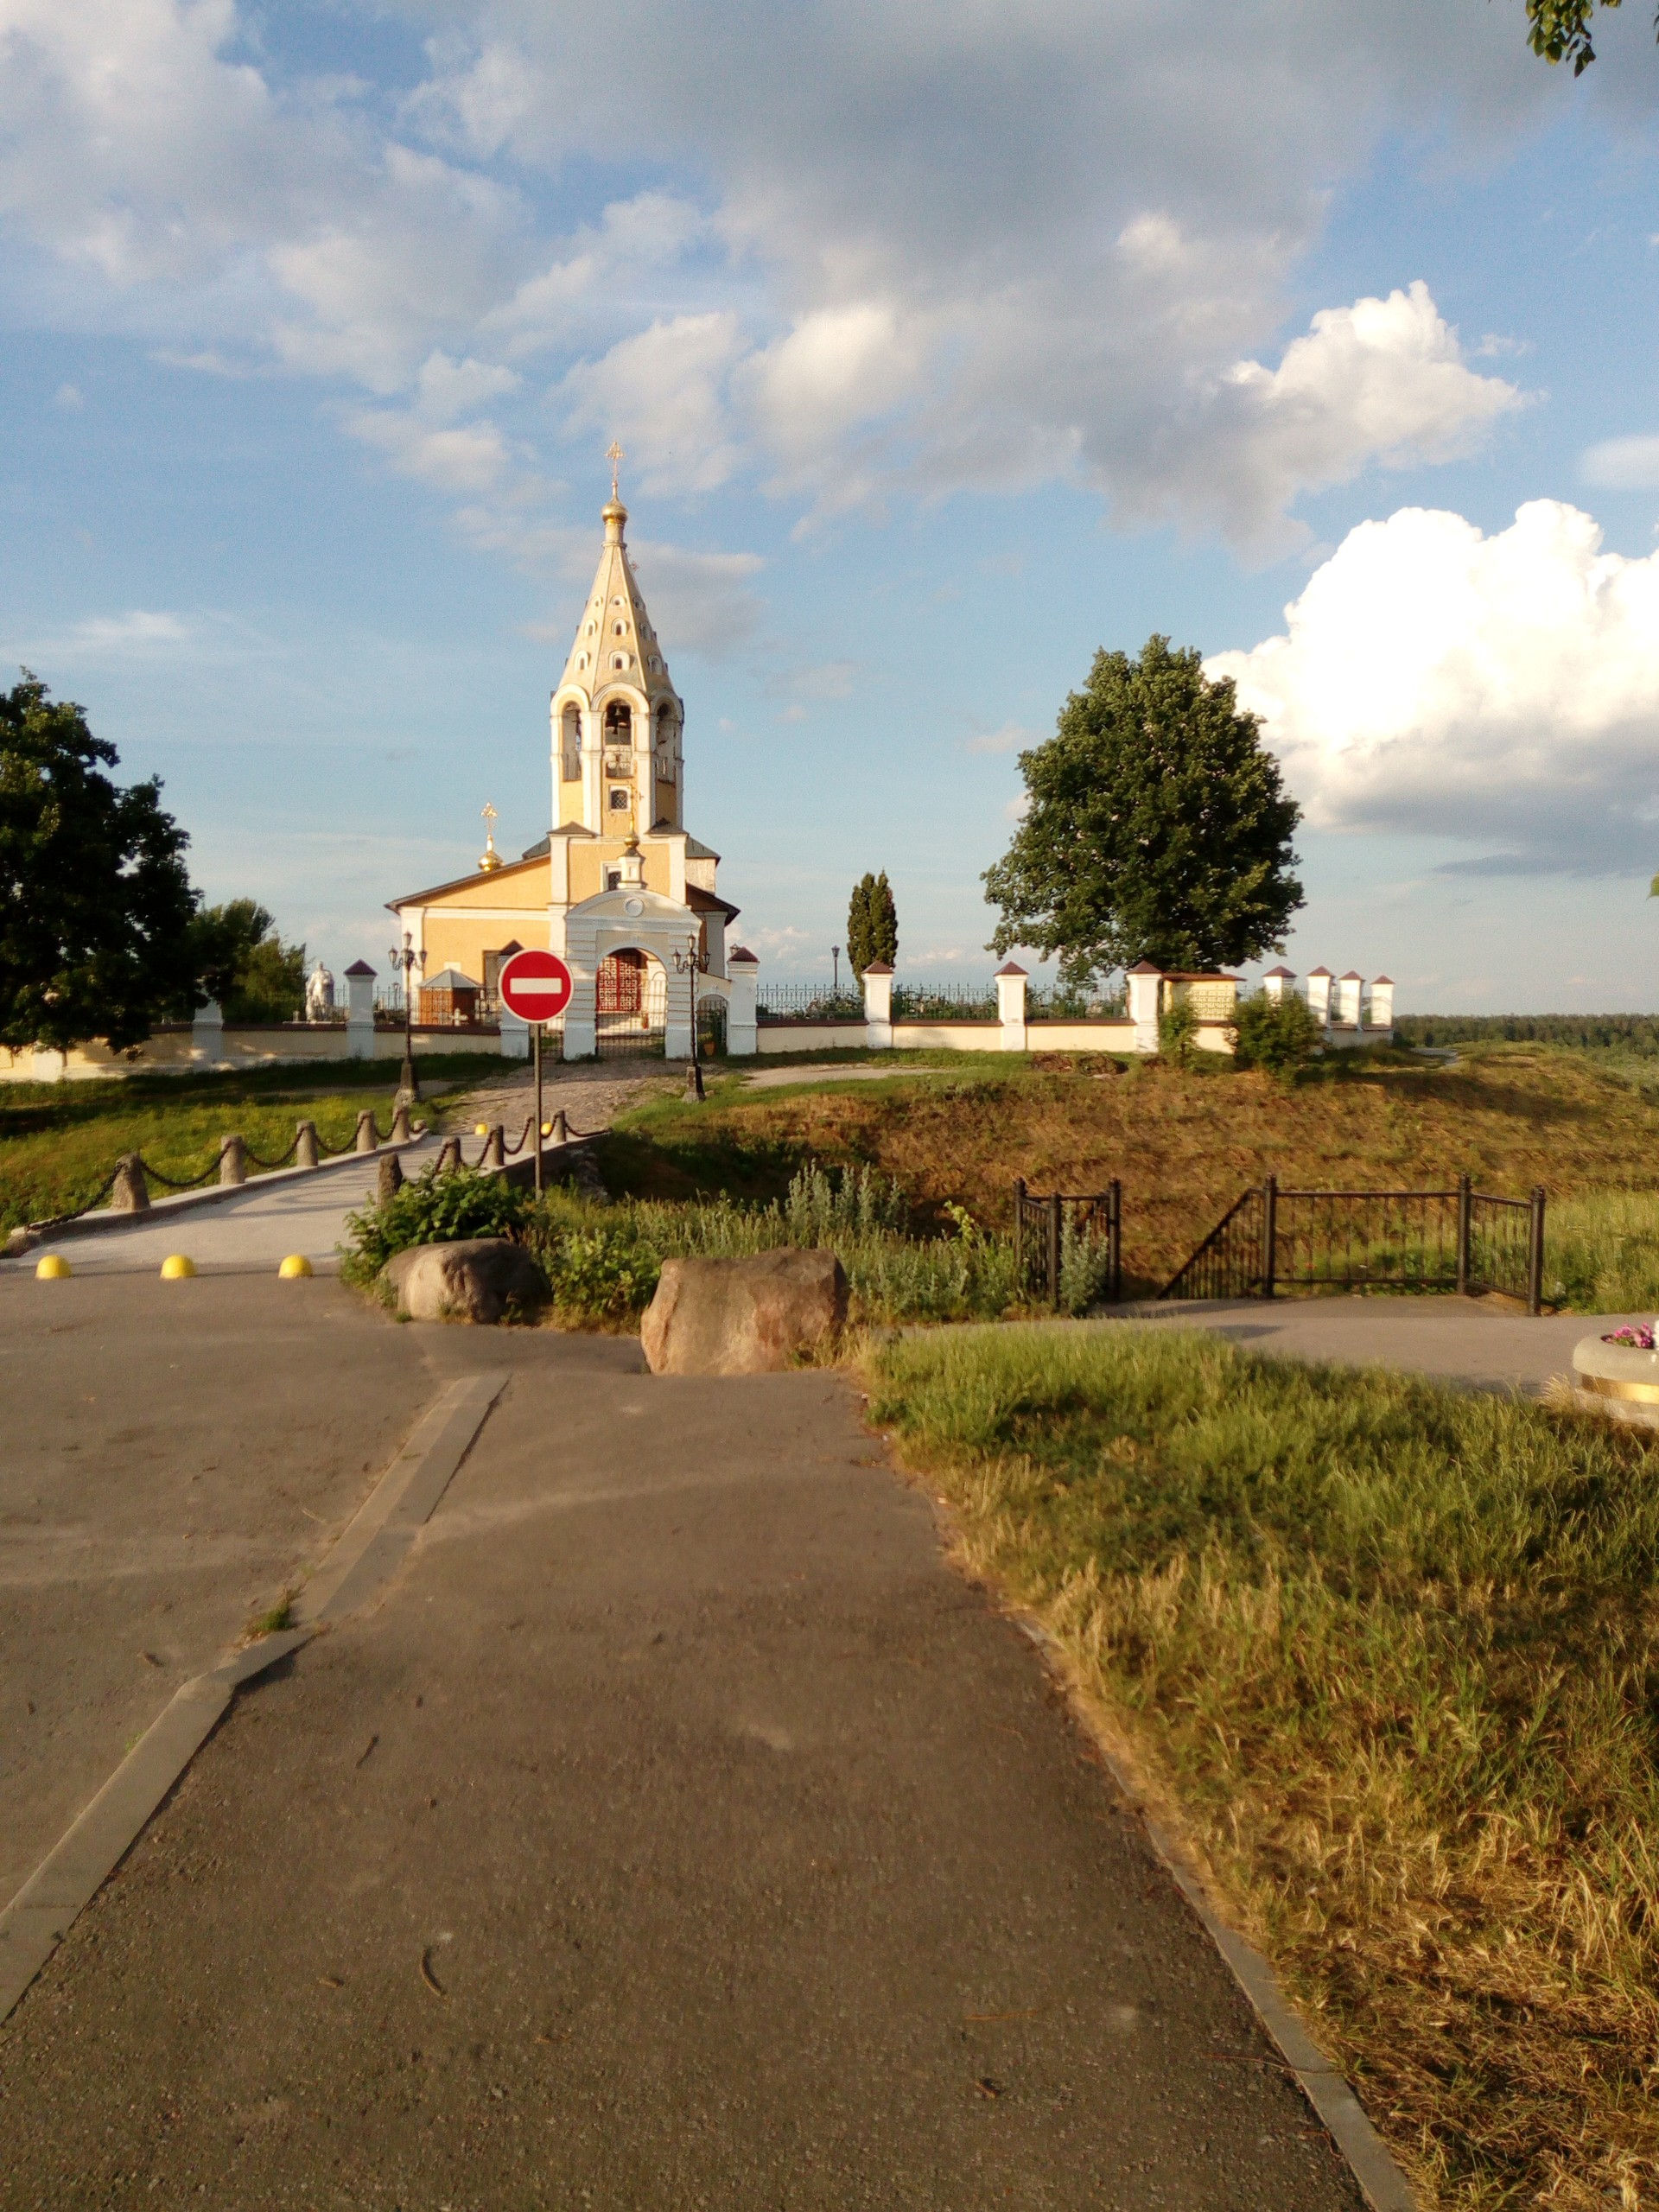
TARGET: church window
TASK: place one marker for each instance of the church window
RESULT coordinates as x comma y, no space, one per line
618,799
619,661
657,664
621,629
619,722
582,660
612,879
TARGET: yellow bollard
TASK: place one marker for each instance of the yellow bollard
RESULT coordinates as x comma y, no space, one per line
295,1268
51,1267
177,1266
481,1128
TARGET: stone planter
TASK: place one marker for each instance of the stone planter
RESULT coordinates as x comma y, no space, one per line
1617,1380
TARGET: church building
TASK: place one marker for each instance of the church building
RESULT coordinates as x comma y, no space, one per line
620,888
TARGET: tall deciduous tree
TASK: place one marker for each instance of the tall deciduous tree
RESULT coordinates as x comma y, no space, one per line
95,904
871,923
242,963
1157,826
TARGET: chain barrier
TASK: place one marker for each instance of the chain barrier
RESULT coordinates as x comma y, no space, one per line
170,1183
281,1161
75,1212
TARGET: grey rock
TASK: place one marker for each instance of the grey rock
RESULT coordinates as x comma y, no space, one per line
472,1278
743,1317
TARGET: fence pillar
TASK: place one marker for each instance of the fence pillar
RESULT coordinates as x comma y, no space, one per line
1143,983
401,1132
1054,1215
207,1035
368,1137
744,970
1465,1232
1114,1236
1011,1006
495,1146
878,1007
233,1159
1269,1234
359,1011
391,1178
305,1150
1319,981
130,1193
1536,1253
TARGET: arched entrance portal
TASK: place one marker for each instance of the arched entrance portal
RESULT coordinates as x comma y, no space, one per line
631,1003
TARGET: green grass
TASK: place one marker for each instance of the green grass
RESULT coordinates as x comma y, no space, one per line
1601,1252
59,1142
1391,1653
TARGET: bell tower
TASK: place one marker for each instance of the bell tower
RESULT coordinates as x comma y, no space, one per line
618,721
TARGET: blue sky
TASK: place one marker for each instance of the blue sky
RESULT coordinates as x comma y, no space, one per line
947,345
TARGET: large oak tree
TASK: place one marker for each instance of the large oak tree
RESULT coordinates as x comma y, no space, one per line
1157,826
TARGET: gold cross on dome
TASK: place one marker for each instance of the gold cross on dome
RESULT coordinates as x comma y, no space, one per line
488,816
615,457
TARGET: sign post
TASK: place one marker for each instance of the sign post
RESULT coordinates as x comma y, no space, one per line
536,987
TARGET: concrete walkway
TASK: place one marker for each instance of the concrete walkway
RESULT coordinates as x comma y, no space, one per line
680,1830
1463,1340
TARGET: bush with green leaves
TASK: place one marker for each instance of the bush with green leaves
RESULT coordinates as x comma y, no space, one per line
1279,1036
433,1210
1177,1033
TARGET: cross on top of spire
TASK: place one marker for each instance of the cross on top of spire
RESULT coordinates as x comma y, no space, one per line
615,456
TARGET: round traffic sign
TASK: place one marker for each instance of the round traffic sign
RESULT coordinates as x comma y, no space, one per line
536,986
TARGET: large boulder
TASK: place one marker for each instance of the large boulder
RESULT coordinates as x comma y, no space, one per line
743,1317
472,1278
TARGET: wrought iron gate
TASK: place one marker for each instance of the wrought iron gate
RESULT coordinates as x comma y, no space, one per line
1048,1232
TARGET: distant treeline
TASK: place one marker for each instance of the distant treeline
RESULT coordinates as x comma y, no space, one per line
1628,1033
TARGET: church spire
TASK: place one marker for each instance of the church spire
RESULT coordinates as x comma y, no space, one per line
616,716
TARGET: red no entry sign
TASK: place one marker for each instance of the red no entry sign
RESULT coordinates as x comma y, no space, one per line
536,986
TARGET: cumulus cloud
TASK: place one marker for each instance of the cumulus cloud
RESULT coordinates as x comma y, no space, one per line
1502,689
868,286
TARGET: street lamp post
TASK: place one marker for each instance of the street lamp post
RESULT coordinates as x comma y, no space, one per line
402,957
835,955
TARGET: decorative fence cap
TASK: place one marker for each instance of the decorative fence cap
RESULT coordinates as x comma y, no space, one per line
741,952
361,967
1011,968
878,968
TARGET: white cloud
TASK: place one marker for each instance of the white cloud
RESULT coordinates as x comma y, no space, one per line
1500,690
1013,737
1381,381
664,392
875,287
70,398
1622,464
463,457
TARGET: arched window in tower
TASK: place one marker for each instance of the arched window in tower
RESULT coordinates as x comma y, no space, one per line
570,743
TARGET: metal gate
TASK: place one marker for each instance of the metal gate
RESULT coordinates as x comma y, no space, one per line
630,1004
1064,1235
1462,1241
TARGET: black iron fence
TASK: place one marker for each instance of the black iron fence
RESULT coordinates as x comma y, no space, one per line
944,1003
1462,1240
1070,1248
807,1003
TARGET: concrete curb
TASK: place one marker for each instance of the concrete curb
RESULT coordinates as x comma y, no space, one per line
1384,2187
369,1553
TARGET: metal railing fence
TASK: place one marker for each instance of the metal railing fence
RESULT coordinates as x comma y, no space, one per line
1461,1240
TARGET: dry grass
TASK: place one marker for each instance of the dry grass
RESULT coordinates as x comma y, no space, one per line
1185,1145
1393,1651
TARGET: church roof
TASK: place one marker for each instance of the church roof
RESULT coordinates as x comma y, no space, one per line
615,641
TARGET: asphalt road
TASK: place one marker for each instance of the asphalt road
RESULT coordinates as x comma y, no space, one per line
679,1830
175,1454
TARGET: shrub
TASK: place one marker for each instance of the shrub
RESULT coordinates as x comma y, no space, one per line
1278,1036
600,1276
1178,1032
433,1210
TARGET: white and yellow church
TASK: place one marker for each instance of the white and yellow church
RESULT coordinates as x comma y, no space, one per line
620,888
